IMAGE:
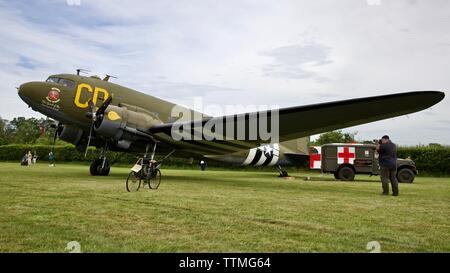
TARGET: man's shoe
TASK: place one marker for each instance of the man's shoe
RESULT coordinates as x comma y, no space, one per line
384,193
395,194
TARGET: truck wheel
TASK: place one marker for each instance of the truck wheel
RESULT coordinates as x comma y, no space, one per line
336,175
346,174
405,176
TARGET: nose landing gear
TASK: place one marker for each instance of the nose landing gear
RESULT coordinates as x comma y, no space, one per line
101,166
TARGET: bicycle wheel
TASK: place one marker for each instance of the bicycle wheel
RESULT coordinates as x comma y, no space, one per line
133,181
155,179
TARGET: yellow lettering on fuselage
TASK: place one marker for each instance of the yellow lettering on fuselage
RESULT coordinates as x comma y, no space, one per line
84,87
78,95
100,90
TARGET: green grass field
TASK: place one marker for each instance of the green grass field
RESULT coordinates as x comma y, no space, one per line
43,208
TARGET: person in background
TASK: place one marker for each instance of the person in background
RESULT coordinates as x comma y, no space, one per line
24,161
387,158
29,158
51,158
202,165
34,157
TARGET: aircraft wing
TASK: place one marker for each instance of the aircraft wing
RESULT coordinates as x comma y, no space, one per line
301,121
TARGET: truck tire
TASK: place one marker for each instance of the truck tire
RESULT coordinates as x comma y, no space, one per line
346,173
405,175
336,175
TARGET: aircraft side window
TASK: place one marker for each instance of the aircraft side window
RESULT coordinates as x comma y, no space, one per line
52,79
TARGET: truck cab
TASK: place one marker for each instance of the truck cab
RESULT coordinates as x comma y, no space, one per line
346,160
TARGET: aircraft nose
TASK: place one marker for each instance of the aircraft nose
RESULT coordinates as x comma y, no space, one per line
28,92
24,91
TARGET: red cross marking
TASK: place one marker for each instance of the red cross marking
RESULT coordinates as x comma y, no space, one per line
346,155
313,158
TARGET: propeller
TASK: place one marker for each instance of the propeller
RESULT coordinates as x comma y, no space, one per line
96,115
55,136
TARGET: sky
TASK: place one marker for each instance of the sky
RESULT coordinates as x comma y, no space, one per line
283,53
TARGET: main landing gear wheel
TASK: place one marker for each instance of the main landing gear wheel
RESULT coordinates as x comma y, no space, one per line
98,168
133,181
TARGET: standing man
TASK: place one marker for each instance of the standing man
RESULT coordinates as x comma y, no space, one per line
388,164
51,158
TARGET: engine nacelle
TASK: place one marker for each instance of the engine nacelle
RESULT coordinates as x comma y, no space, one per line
70,134
125,126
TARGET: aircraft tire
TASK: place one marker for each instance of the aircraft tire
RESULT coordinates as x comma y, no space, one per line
96,168
93,169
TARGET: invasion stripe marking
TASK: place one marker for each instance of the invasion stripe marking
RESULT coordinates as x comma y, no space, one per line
257,157
251,155
275,159
263,159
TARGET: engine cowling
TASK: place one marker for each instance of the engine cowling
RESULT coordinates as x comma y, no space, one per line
125,126
70,134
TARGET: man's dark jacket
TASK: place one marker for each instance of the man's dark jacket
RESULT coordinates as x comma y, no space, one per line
388,155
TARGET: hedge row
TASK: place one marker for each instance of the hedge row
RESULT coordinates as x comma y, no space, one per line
430,160
67,153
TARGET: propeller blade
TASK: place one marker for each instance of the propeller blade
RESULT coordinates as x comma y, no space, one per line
95,115
101,110
89,140
54,138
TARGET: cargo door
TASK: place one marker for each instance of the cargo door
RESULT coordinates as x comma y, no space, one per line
364,161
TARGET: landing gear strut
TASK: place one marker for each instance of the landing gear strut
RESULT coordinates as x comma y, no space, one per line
283,172
101,166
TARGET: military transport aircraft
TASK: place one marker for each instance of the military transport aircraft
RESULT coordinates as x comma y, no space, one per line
91,111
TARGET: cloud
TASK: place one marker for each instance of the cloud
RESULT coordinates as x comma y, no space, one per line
293,61
247,52
27,63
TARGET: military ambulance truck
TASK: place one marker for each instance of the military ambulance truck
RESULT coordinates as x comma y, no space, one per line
346,160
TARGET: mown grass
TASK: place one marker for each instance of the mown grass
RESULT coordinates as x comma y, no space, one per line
43,208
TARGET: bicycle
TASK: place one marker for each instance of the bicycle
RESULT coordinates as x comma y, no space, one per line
145,171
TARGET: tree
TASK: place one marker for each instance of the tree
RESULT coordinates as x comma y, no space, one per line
23,131
3,139
335,137
26,131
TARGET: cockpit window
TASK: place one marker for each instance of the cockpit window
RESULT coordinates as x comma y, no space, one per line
53,79
67,83
64,82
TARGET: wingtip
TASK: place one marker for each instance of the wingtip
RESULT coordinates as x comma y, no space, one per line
439,95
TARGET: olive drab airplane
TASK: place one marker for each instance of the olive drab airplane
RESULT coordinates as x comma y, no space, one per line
91,111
